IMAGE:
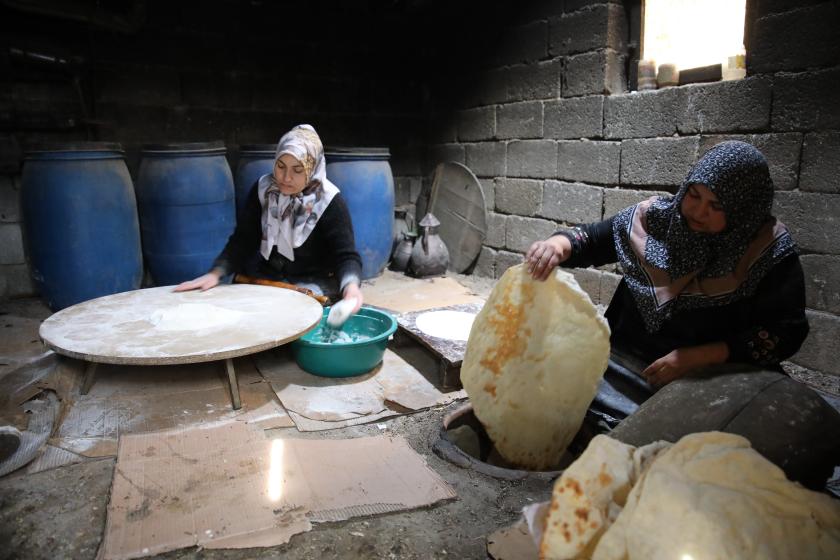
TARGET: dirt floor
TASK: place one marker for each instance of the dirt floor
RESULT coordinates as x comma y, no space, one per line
60,513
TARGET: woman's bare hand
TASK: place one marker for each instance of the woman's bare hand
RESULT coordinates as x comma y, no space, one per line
682,361
203,283
543,256
352,291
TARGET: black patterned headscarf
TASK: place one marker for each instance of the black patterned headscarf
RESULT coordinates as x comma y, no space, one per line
669,267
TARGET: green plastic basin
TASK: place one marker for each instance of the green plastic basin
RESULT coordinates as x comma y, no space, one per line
346,359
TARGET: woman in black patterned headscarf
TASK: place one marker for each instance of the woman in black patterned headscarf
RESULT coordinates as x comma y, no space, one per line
710,276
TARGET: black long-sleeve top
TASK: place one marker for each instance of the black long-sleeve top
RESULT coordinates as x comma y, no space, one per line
763,329
330,250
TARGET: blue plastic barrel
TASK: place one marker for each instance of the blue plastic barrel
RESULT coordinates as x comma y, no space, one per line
255,160
185,197
364,177
80,222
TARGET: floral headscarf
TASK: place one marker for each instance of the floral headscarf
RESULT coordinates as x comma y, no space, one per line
669,267
288,220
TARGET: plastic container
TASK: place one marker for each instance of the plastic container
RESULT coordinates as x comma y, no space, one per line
336,359
80,222
185,196
255,160
364,177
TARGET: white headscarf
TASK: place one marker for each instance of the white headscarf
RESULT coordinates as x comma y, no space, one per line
288,220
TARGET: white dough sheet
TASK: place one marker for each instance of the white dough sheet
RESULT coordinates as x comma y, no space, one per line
451,325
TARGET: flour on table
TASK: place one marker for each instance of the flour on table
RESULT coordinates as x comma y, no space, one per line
193,316
451,325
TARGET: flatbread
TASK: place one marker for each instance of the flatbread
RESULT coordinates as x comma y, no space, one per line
535,355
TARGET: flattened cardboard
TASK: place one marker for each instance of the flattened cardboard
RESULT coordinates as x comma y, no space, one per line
402,294
512,543
323,403
226,486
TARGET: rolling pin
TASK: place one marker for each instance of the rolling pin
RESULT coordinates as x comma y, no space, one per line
242,279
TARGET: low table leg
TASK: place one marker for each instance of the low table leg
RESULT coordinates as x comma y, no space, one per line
234,384
90,373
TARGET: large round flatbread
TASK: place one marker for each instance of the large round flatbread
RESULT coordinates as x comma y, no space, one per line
535,355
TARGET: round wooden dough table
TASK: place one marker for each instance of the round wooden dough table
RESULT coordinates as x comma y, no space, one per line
157,326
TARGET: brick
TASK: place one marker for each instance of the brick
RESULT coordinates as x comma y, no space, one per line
141,86
496,228
520,120
589,280
519,196
488,188
485,265
532,158
477,124
822,282
520,232
782,151
795,40
813,219
730,106
505,260
642,114
445,152
534,81
572,203
616,200
819,351
601,26
820,163
609,283
578,117
17,280
9,200
587,161
594,73
806,101
486,159
11,244
659,161
525,43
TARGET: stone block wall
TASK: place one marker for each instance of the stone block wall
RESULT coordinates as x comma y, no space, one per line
581,147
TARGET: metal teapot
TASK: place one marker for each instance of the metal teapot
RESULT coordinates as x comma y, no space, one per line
402,252
430,257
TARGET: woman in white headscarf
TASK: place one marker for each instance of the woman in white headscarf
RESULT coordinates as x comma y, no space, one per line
295,227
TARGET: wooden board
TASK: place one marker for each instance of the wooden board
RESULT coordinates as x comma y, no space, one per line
458,202
158,326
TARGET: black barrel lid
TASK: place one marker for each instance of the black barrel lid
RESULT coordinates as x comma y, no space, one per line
358,151
192,147
76,146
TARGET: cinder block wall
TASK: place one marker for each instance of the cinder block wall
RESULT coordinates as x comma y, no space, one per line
548,126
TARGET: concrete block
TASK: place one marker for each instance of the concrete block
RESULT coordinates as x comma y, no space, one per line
795,40
822,282
616,200
571,6
594,73
485,266
600,26
525,43
657,161
819,351
577,117
407,160
820,163
643,114
496,230
532,158
9,200
520,120
589,280
16,281
11,156
729,106
486,159
477,124
590,162
485,88
520,232
782,151
813,219
140,86
440,153
609,283
443,128
519,196
505,260
534,81
806,101
572,203
11,244
406,189
488,188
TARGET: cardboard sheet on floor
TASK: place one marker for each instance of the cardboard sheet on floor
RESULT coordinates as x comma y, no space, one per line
134,399
20,342
323,403
401,294
227,486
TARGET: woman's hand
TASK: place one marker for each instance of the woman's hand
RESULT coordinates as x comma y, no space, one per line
543,256
352,291
682,361
203,283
